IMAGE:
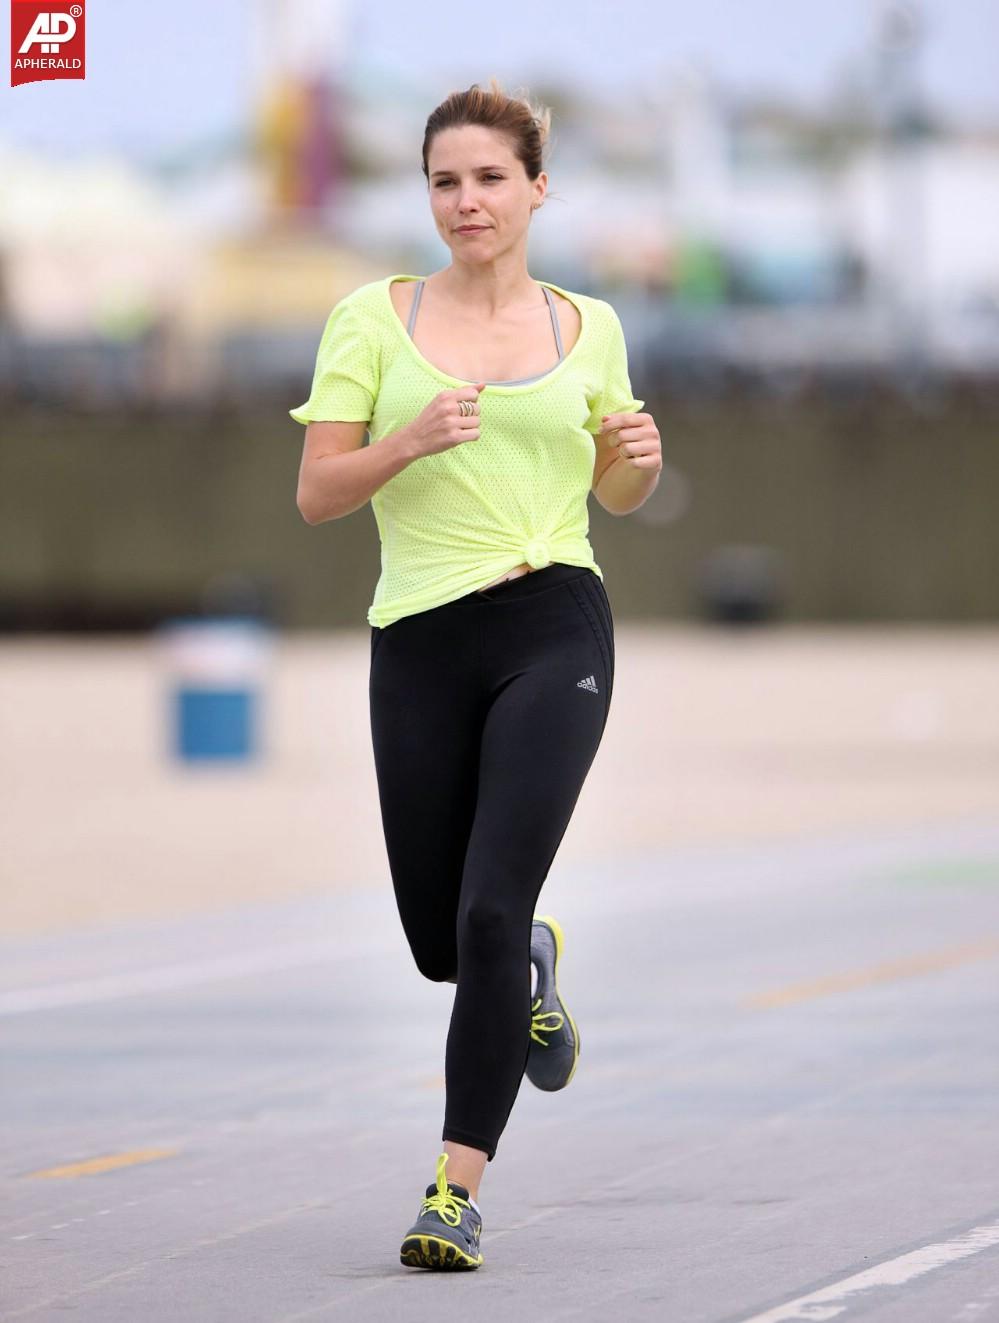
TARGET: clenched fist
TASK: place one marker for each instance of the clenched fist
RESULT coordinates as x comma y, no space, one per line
446,422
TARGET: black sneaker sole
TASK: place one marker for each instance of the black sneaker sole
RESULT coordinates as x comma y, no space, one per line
435,1252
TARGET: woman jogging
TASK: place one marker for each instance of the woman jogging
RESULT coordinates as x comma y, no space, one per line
494,404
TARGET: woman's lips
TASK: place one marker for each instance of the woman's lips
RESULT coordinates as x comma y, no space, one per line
471,229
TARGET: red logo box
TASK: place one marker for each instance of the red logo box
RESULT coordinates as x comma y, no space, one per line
46,41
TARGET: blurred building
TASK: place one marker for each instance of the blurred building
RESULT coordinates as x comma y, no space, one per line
743,233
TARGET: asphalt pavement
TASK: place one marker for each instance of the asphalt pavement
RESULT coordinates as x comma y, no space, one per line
786,1107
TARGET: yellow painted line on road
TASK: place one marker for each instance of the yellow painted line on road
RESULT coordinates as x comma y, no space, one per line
883,973
92,1166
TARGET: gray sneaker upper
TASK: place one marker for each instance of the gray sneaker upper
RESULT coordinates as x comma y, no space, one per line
450,1219
553,1048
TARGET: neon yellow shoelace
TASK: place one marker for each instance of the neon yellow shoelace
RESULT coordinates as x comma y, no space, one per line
538,1027
444,1202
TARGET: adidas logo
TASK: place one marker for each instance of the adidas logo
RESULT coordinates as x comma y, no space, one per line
588,683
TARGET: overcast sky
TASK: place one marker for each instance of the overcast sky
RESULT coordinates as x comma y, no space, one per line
164,77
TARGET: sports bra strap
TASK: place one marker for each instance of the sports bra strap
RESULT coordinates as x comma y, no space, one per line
522,380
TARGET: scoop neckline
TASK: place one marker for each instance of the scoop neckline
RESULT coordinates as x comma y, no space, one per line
498,386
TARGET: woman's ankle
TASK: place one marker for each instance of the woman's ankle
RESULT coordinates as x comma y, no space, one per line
465,1166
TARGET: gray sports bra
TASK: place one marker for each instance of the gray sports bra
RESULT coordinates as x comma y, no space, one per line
522,381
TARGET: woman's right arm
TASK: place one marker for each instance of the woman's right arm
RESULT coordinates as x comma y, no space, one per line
339,473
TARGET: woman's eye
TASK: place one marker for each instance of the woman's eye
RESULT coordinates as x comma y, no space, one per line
441,182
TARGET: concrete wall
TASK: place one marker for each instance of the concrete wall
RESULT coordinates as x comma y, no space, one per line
878,509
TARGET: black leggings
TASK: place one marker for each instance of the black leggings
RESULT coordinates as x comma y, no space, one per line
486,714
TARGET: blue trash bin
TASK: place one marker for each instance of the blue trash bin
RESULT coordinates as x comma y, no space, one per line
216,669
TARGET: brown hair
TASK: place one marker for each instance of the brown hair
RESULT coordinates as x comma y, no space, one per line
525,124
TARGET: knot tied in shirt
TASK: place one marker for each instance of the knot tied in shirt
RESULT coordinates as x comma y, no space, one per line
537,554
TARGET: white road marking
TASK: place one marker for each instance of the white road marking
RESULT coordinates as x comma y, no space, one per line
831,1301
109,987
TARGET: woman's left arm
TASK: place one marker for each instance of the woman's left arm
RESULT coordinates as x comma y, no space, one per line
631,477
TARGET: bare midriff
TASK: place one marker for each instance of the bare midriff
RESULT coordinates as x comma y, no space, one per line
515,573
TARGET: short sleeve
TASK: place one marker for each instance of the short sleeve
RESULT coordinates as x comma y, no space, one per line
615,394
345,383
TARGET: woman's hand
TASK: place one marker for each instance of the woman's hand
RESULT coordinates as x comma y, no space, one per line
443,425
636,437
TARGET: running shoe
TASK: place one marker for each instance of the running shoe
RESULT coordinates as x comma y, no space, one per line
446,1233
554,1047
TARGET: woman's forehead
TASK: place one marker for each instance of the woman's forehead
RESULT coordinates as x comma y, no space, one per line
471,145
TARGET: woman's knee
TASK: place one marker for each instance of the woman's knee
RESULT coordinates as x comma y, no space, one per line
430,934
487,927
437,972
438,966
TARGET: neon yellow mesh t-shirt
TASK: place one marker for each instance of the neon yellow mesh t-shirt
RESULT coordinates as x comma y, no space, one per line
452,522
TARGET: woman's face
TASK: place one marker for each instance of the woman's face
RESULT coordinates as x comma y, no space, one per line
475,179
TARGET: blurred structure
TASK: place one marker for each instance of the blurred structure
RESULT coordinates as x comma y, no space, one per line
903,126
299,118
766,239
810,297
216,671
741,585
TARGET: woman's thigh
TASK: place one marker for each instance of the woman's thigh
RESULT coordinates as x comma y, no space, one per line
426,723
549,659
485,720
